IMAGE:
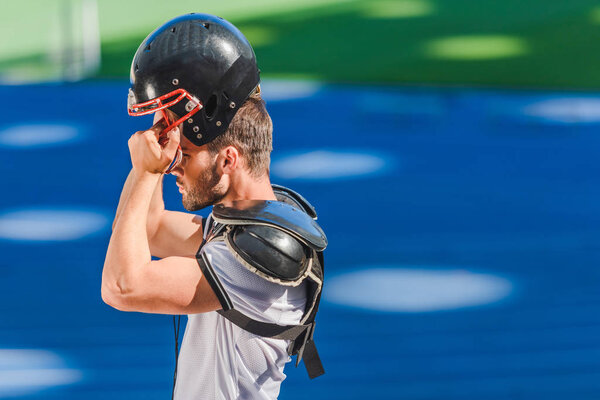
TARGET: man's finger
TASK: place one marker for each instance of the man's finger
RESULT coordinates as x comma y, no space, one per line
151,137
157,128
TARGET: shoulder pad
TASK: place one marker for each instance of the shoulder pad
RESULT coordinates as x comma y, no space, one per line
270,252
295,199
275,214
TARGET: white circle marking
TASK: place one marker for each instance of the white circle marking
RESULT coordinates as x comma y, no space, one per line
324,164
50,224
27,371
280,90
566,110
416,290
38,135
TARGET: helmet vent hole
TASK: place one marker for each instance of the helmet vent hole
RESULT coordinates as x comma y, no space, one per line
137,67
173,29
148,47
210,107
206,25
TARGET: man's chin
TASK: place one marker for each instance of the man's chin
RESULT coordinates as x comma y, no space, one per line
193,206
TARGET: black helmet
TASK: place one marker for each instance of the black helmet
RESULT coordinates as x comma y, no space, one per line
199,66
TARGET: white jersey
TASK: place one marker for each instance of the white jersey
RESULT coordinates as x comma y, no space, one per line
219,360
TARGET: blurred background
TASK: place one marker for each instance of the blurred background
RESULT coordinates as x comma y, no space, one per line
448,147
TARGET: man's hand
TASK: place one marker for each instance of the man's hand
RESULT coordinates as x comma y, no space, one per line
147,155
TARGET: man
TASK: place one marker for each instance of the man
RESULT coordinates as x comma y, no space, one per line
249,276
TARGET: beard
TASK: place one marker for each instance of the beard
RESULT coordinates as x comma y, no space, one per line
206,191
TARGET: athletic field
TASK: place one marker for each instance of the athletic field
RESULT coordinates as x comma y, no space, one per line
449,148
463,230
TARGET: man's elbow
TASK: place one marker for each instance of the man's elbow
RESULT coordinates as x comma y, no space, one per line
115,298
109,297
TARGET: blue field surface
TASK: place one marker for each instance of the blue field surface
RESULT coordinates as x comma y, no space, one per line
463,228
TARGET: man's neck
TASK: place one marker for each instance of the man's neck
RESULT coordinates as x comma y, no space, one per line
249,188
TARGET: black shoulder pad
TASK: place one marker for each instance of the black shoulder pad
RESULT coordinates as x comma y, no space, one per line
275,214
293,198
271,251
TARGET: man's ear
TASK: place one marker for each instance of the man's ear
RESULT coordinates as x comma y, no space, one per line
228,160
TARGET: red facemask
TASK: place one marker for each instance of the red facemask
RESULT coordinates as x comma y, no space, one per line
161,104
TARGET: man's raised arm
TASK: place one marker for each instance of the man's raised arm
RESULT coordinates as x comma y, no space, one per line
131,280
170,233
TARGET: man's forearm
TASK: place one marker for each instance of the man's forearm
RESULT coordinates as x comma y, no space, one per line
157,205
124,196
128,249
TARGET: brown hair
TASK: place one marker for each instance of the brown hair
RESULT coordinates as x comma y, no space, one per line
251,132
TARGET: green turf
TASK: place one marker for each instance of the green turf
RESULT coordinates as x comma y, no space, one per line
531,43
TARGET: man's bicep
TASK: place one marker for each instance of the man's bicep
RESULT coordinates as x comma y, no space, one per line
173,285
178,234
